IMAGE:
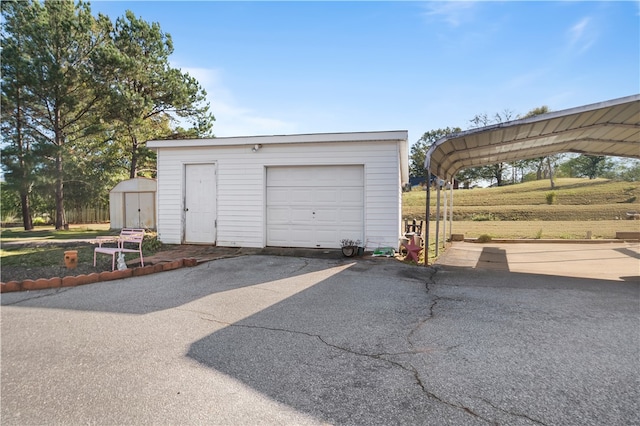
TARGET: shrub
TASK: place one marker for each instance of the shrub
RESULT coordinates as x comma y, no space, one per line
484,238
150,243
539,234
9,216
484,217
40,221
551,197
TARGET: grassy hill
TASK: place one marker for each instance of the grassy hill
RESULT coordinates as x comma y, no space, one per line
575,200
598,207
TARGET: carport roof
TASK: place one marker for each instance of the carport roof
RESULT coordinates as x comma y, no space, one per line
606,128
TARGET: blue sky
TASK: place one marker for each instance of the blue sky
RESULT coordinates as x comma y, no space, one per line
306,67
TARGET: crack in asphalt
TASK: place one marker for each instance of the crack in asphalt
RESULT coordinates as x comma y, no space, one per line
384,356
432,395
377,356
434,303
305,264
39,296
430,280
524,416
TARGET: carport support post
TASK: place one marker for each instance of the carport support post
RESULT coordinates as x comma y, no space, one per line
451,210
437,216
445,217
428,219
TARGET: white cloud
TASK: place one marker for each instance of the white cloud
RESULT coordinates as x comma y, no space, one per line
577,31
233,119
581,35
452,12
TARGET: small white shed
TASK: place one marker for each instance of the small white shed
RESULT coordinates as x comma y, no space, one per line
132,204
309,190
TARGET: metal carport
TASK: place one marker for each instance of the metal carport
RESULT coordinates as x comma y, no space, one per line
609,128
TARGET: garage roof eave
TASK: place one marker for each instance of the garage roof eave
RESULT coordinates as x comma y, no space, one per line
605,128
393,135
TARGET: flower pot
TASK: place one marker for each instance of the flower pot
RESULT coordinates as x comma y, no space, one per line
349,251
71,259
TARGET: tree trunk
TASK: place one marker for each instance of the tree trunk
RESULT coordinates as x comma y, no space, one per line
553,184
498,174
59,186
539,169
27,222
60,219
23,149
133,171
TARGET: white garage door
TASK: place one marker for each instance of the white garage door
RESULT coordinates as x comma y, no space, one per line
314,206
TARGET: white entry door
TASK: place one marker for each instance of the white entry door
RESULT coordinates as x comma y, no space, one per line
200,203
314,206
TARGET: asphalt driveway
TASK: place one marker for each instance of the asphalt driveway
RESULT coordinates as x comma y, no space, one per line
285,340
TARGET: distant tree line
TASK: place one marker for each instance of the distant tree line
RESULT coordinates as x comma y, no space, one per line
81,96
500,174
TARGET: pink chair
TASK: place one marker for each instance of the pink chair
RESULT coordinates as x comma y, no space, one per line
129,241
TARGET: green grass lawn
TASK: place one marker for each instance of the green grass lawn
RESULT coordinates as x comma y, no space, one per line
570,191
49,233
35,254
43,256
48,254
537,229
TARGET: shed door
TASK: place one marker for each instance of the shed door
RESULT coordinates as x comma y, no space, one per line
200,203
131,210
314,206
139,210
147,209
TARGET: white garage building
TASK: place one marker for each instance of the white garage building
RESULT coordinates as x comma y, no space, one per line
308,190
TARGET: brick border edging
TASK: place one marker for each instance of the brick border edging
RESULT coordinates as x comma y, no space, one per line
76,280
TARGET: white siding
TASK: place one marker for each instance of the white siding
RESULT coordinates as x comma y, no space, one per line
241,187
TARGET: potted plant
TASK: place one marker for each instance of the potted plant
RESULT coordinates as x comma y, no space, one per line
349,247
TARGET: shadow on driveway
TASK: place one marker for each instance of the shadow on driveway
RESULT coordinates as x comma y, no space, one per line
337,349
491,346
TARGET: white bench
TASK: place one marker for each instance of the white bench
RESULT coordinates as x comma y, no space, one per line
129,241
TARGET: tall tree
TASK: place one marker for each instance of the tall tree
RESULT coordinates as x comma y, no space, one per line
492,171
420,148
545,166
590,166
62,41
147,93
467,176
17,154
81,97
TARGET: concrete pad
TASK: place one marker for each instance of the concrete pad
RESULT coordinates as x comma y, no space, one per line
606,261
